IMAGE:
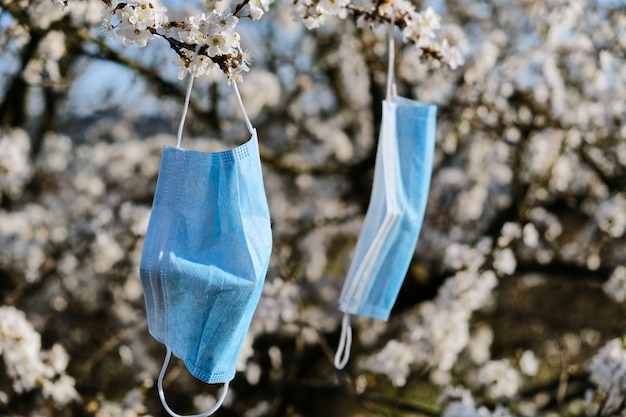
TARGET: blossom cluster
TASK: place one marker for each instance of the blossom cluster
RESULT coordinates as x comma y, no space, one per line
418,27
615,286
459,402
14,166
209,41
217,45
137,20
608,373
204,42
29,367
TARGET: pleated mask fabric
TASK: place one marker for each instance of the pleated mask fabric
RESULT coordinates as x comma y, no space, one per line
205,256
396,210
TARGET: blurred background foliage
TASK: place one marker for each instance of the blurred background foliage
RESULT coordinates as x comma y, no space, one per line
514,302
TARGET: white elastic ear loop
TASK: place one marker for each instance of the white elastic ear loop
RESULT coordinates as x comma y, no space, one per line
179,136
243,110
391,56
207,413
345,343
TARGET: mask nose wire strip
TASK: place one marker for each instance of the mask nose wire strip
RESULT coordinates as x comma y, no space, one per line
345,343
207,413
179,136
243,110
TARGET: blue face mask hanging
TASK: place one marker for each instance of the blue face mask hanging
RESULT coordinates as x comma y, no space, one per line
394,217
205,256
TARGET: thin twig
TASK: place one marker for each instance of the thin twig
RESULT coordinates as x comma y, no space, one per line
239,7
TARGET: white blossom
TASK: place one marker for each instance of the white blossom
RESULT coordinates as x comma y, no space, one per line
499,379
530,235
451,54
479,346
421,26
394,361
611,215
615,286
504,261
256,10
15,167
277,308
509,232
136,19
608,372
460,403
528,363
51,49
131,406
27,366
333,8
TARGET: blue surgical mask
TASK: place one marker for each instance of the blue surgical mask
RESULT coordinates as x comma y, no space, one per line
386,244
205,257
397,205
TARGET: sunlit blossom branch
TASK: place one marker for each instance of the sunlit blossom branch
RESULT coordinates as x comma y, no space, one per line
417,28
224,62
375,15
209,39
138,21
